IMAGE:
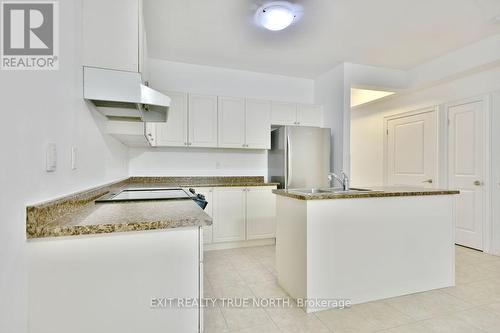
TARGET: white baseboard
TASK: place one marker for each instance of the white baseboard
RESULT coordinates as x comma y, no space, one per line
234,245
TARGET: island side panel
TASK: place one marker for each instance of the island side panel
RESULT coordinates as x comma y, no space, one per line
105,283
375,248
291,251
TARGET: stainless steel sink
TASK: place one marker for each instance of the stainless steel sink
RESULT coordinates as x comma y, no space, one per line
331,190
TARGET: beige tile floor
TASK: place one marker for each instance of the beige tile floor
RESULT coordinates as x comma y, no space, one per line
473,305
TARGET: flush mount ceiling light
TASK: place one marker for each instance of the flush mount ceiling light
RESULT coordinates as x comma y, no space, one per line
277,15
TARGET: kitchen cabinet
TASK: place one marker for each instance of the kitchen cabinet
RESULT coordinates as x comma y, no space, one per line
283,113
309,115
244,123
292,114
229,214
111,280
111,37
202,115
260,213
173,133
257,124
243,213
207,230
231,122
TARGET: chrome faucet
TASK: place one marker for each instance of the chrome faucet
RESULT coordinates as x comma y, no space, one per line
343,180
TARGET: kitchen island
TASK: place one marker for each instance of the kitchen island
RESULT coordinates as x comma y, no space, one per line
360,246
111,267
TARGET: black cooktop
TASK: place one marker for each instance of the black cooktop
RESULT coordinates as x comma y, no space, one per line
143,194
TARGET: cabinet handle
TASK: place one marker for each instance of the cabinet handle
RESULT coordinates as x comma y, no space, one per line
478,183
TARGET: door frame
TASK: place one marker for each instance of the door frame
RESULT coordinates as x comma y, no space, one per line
435,110
486,100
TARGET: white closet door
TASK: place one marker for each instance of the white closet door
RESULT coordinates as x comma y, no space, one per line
466,170
412,150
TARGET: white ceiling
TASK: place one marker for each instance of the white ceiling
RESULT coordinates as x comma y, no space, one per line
398,34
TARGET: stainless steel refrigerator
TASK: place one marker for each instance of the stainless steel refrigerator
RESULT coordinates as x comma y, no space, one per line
299,157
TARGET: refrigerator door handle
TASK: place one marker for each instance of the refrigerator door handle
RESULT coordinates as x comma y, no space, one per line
289,161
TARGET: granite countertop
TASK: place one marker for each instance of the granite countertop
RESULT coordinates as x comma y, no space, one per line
378,192
78,214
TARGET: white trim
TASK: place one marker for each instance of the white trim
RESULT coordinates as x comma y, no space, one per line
240,244
388,118
495,172
487,221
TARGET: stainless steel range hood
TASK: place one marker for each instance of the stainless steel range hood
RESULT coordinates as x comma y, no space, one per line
121,95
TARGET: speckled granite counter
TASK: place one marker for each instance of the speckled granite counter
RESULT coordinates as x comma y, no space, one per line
378,192
78,214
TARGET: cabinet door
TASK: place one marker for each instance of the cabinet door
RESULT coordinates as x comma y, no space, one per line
261,213
229,214
258,124
202,121
111,36
231,122
173,133
208,193
283,113
309,115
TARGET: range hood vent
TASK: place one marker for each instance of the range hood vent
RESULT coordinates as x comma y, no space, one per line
120,95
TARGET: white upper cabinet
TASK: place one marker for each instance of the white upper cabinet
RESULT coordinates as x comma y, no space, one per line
292,114
202,121
231,122
309,115
111,36
283,113
174,133
258,124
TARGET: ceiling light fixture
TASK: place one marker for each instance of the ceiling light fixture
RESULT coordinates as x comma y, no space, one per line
277,15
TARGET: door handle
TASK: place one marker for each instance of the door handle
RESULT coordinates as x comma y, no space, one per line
429,181
478,183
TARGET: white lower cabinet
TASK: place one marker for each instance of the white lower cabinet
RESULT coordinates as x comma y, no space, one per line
229,214
261,213
112,281
243,213
207,230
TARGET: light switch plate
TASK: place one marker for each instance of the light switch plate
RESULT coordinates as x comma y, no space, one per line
51,158
73,158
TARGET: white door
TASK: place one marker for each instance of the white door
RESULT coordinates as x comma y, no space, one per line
466,170
208,193
261,213
231,122
229,214
258,124
202,121
283,113
412,146
173,133
309,115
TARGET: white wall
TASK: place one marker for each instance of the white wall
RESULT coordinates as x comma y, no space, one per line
329,91
197,162
367,122
36,108
166,75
